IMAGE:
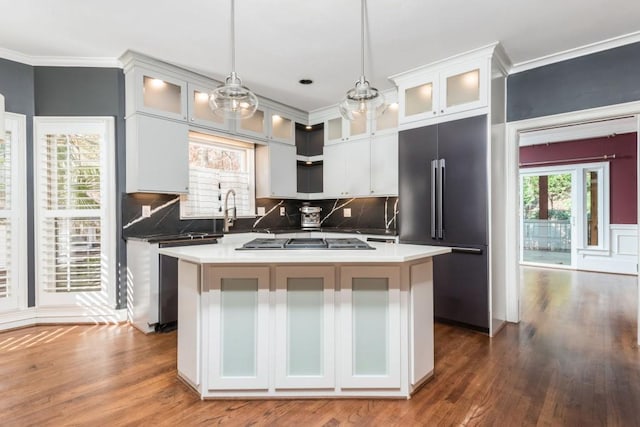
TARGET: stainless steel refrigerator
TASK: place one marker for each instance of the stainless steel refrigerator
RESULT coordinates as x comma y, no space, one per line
443,201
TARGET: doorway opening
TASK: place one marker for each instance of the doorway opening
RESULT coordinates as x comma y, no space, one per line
547,210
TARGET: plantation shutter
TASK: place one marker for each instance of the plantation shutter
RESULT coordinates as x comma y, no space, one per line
70,198
217,165
6,217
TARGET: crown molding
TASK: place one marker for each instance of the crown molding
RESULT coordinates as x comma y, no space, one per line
576,52
59,61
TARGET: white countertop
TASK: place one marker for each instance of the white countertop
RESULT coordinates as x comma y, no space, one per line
225,252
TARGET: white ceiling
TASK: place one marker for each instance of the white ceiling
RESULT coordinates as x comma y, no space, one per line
282,41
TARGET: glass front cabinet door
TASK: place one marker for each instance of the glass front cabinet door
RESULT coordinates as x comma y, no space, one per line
463,87
370,316
418,98
160,94
199,111
305,327
237,300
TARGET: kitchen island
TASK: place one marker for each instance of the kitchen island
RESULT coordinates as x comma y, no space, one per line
305,323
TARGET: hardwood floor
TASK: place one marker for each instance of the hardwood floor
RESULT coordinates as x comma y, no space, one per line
572,361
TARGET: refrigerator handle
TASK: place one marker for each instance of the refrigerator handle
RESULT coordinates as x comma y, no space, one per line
434,168
441,177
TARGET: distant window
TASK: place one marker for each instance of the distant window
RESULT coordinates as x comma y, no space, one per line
217,165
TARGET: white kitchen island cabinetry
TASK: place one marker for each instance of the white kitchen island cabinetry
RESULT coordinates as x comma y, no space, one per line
305,323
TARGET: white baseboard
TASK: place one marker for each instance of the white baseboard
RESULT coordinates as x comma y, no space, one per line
60,315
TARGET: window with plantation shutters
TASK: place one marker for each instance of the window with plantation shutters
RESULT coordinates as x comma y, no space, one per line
217,165
6,219
73,240
12,211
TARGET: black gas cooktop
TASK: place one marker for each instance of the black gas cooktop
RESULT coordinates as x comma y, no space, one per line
305,243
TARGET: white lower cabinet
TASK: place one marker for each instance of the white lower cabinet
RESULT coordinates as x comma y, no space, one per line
370,314
304,328
238,328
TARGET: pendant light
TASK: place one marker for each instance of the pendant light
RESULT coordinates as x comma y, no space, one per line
362,99
3,131
232,100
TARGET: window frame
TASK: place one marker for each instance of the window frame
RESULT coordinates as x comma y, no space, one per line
107,296
17,125
219,141
604,207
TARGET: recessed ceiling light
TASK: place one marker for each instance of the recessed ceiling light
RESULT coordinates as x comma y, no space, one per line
305,81
309,127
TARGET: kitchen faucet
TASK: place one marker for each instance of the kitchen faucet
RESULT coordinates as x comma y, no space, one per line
228,222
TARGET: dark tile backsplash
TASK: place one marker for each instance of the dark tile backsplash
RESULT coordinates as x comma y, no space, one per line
373,213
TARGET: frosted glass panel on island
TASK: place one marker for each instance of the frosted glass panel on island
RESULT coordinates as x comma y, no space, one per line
161,95
370,302
239,307
463,88
305,312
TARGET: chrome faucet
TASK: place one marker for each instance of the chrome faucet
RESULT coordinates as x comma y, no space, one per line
228,221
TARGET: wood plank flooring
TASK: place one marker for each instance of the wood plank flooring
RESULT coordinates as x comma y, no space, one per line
572,361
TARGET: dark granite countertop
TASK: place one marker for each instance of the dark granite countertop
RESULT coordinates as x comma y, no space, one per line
186,236
376,231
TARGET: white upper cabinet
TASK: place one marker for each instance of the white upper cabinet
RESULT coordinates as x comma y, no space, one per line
455,85
387,122
200,114
157,155
276,170
269,123
346,169
384,165
337,129
157,93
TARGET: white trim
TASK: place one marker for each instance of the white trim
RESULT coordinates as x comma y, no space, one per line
511,197
59,61
61,315
588,49
595,129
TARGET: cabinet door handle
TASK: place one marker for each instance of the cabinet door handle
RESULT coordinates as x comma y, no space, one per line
434,168
474,251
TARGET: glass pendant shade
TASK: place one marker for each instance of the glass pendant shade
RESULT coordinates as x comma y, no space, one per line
362,100
232,100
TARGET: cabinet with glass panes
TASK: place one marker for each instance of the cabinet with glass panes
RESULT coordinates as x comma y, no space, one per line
446,87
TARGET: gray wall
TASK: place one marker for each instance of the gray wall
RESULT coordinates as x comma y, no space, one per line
67,91
603,78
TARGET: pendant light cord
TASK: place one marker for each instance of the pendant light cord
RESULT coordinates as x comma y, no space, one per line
233,37
362,35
